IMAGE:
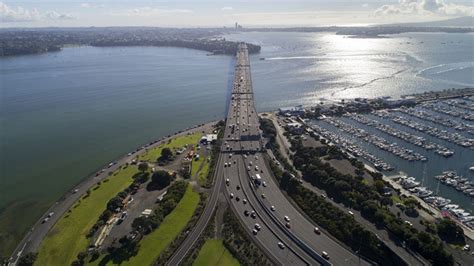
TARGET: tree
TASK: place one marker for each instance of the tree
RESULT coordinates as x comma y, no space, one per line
450,232
28,259
142,167
166,154
168,206
160,179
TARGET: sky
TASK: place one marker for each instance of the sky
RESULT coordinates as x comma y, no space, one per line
206,13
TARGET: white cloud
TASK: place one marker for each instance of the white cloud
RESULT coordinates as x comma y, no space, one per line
150,11
20,14
90,5
425,7
227,8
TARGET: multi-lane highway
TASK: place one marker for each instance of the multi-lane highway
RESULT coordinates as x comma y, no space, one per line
284,234
249,179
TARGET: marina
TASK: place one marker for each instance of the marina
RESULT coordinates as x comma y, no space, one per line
429,146
442,204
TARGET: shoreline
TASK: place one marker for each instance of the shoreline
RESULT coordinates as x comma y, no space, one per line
33,238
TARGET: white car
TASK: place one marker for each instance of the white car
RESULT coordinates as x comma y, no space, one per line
264,184
351,213
325,255
272,208
227,181
281,245
287,219
258,227
231,195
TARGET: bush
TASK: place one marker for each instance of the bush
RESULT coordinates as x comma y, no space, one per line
28,259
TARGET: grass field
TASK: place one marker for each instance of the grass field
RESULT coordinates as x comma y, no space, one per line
214,253
178,142
201,178
153,244
68,236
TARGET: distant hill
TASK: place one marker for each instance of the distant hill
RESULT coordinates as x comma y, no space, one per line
467,21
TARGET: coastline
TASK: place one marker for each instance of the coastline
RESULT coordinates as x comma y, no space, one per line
33,238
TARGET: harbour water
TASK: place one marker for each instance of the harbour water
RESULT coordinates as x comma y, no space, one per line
63,115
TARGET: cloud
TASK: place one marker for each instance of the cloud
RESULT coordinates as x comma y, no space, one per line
90,5
227,8
150,11
425,7
20,14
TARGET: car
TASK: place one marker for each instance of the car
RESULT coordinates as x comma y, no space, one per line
281,245
250,163
253,214
288,225
263,196
255,231
237,187
123,215
287,219
246,213
244,201
235,162
231,195
264,184
50,214
248,168
258,227
325,255
409,223
351,213
316,230
467,247
256,157
225,164
75,191
256,168
323,196
45,220
227,181
230,155
237,198
272,208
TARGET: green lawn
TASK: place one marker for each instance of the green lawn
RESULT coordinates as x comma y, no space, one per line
153,154
153,244
202,176
68,236
214,253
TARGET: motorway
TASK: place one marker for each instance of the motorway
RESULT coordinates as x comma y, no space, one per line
240,160
243,146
